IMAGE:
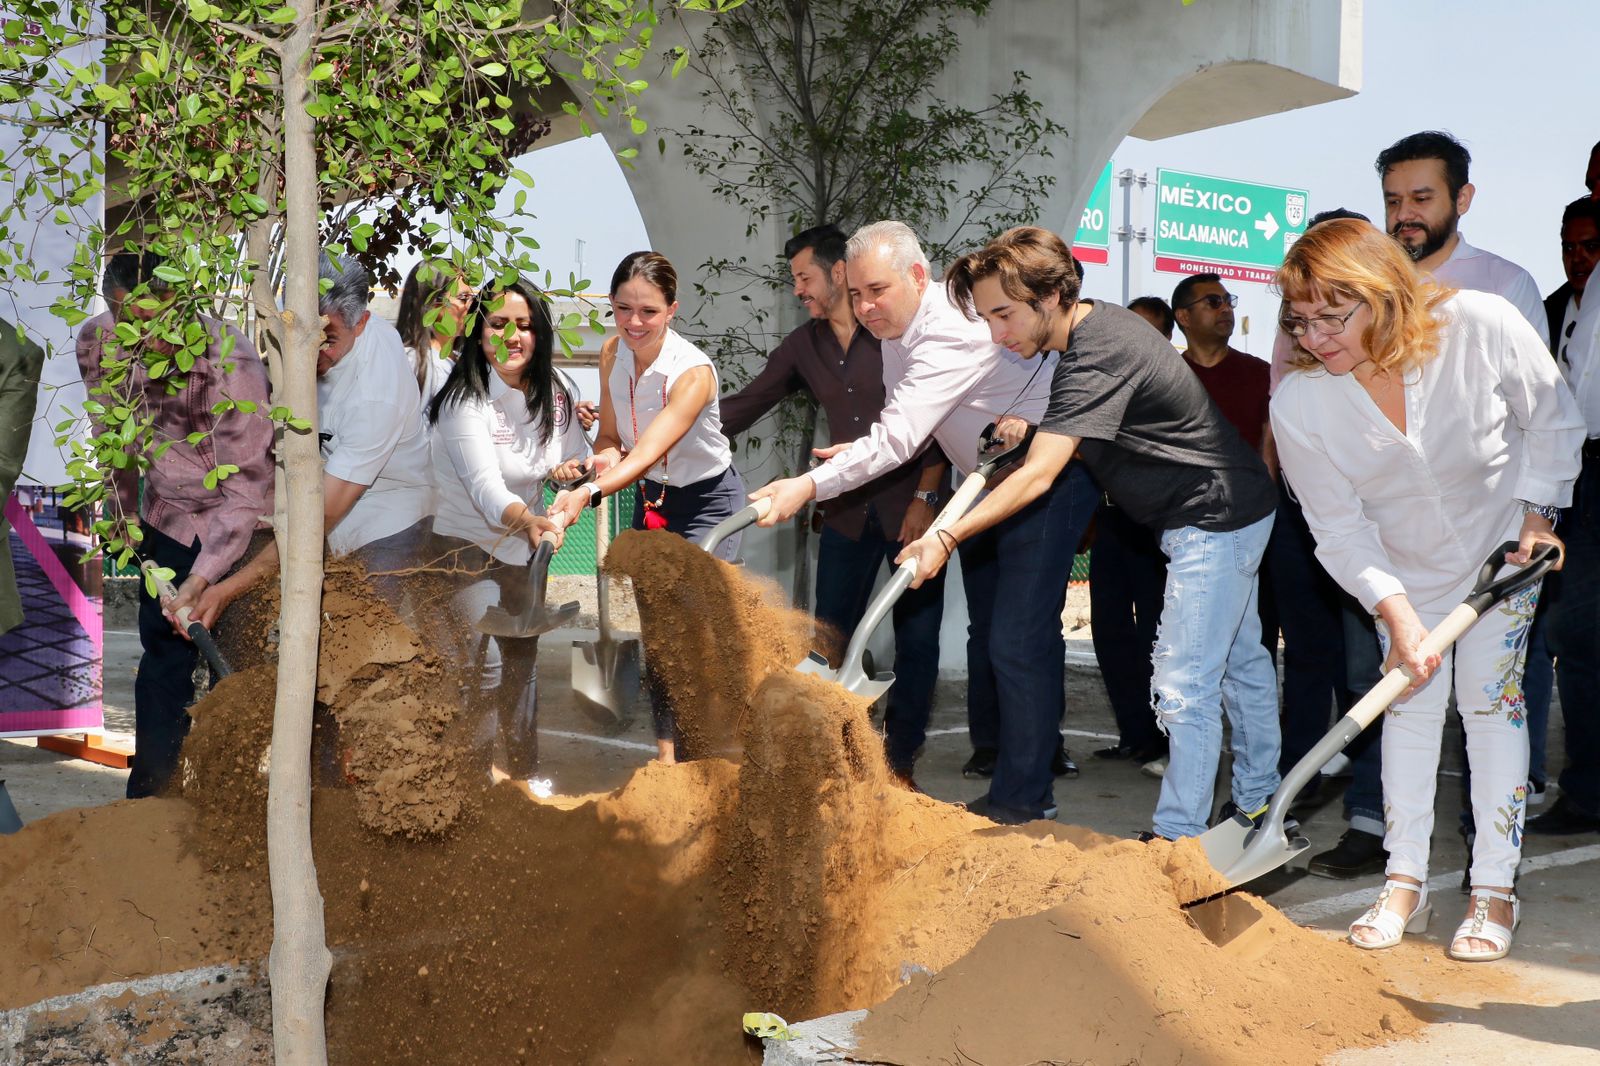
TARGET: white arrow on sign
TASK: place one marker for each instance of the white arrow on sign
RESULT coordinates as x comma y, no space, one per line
1268,226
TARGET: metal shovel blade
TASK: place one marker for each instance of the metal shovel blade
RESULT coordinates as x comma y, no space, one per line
605,679
1241,851
10,821
498,622
858,681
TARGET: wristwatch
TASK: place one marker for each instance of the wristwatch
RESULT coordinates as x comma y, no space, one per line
593,488
1549,512
928,497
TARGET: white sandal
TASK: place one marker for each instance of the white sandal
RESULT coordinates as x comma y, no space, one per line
1390,925
1479,927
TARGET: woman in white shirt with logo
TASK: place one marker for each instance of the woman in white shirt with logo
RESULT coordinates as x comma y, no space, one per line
502,422
1420,428
660,428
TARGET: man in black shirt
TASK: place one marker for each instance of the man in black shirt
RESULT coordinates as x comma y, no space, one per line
1124,401
841,365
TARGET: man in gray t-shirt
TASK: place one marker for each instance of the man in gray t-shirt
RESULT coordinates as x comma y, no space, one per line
1123,400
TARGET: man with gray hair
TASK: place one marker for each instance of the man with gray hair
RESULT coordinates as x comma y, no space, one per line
376,487
946,380
199,532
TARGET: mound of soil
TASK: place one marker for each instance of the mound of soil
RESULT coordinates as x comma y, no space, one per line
475,926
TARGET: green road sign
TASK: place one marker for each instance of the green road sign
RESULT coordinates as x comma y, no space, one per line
1238,229
1093,241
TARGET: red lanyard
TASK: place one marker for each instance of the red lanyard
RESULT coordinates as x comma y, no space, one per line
653,518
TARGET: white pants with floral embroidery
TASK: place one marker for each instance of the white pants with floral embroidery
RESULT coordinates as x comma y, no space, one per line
1485,667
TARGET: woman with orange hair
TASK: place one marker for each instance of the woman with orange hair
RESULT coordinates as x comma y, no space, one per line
1420,428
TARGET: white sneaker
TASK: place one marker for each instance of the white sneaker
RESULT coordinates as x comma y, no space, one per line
541,787
1338,766
1536,791
1155,767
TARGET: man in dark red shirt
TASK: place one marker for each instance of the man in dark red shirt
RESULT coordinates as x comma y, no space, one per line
1237,383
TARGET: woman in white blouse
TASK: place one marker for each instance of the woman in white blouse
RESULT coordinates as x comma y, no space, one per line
1420,427
433,312
660,429
502,422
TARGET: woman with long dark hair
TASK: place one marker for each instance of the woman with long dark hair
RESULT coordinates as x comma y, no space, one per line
660,429
433,312
502,422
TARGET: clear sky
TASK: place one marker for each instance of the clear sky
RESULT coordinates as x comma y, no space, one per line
1517,82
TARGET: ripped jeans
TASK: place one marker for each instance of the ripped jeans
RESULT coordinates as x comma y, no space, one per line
1209,659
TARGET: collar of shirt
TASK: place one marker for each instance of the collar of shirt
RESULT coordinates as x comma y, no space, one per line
1462,250
673,351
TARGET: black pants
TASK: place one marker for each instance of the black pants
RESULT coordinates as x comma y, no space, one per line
1311,614
164,686
1127,580
691,511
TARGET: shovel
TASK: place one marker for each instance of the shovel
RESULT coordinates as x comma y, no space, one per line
605,672
855,672
510,620
197,632
741,518
1241,851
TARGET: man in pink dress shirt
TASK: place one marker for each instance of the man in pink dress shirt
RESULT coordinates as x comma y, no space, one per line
200,533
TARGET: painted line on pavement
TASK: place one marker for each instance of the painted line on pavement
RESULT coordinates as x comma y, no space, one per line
1068,732
614,742
1318,909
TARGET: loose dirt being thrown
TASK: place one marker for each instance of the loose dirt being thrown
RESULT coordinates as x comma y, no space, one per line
784,872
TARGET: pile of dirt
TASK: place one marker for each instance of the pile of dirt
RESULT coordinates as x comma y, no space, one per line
638,926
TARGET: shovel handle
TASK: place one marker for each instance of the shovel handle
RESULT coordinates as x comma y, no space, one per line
971,486
199,634
733,523
1486,593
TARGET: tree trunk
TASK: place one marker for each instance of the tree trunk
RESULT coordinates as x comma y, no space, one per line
300,961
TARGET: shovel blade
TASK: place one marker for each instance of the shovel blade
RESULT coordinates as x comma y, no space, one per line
498,622
605,679
1242,852
816,665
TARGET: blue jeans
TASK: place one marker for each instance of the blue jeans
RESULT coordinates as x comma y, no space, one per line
1208,660
846,571
1574,637
1015,575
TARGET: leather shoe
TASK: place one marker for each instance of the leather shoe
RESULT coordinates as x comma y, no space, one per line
1061,765
1358,854
1009,815
981,764
1131,752
1563,819
904,779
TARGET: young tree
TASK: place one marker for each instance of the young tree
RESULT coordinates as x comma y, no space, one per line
231,131
825,112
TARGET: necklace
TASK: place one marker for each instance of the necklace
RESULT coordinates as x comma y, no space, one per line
653,518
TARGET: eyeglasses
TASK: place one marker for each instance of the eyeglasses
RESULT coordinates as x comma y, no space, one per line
1213,301
1327,325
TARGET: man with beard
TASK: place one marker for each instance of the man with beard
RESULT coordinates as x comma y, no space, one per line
1425,193
841,366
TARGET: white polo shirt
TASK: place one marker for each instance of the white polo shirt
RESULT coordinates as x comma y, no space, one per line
944,380
372,434
487,455
700,453
1481,271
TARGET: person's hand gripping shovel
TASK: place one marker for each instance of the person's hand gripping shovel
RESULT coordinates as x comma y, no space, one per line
1242,851
854,671
199,634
